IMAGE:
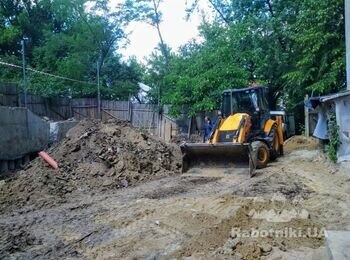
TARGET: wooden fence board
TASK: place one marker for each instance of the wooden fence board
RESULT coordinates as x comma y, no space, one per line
116,109
144,116
8,95
140,115
84,108
61,107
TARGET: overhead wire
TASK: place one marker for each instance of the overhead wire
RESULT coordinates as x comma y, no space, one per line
45,73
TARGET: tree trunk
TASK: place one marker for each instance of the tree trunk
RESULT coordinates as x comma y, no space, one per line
157,25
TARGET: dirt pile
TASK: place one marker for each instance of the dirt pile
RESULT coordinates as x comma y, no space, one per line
299,142
95,156
287,184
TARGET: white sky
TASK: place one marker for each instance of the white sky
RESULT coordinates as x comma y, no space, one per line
176,31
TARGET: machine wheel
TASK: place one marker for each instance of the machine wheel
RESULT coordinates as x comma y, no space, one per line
261,153
275,146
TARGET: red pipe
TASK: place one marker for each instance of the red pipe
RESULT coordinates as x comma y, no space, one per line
48,159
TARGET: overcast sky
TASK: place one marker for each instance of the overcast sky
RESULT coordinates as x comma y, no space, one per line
175,29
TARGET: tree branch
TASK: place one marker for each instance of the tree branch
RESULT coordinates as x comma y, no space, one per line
157,25
219,12
268,2
279,38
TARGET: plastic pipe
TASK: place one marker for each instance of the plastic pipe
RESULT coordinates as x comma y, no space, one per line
48,159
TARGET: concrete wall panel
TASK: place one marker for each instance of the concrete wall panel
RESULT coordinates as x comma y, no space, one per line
21,133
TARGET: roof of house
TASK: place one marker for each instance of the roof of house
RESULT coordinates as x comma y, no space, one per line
313,102
243,89
334,96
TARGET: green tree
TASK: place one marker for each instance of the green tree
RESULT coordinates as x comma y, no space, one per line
320,44
199,73
67,38
292,46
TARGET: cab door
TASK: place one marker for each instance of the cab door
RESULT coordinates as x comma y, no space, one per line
264,111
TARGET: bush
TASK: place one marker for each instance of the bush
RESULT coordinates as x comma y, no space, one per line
334,141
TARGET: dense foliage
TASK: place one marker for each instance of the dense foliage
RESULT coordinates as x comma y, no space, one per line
333,134
70,39
292,46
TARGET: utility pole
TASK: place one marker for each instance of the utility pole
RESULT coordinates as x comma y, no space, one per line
98,91
160,118
24,72
347,39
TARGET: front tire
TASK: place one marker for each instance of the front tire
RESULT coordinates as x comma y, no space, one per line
262,154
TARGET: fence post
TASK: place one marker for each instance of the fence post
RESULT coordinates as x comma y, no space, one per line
68,105
164,129
307,118
24,72
189,127
98,92
70,108
160,121
130,108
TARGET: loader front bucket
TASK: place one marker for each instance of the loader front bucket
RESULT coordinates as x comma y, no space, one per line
222,155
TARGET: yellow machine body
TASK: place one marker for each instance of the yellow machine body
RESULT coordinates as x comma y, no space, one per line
225,149
239,123
232,142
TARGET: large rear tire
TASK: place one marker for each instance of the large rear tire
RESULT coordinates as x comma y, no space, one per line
262,154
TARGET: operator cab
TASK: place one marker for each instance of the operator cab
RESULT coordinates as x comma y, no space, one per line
247,100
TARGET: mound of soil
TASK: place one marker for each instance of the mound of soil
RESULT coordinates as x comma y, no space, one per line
95,156
287,184
300,142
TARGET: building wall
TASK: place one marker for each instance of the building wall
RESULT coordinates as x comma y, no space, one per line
343,120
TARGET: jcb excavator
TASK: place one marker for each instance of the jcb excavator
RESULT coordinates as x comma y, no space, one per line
244,138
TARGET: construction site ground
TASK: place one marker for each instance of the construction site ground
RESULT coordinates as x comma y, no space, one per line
205,214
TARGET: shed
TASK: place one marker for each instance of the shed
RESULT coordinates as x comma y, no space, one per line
340,104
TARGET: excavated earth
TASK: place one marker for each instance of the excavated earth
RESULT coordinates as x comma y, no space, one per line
94,157
119,194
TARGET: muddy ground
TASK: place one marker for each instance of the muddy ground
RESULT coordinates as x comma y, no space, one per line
206,214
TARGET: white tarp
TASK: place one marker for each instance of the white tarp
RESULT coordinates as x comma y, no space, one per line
321,131
343,120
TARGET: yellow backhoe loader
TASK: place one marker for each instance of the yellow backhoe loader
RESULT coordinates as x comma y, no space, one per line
244,138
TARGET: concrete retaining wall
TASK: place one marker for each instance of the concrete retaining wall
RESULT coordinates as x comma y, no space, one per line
58,130
21,133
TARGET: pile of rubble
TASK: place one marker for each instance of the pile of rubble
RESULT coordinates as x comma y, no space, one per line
95,156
